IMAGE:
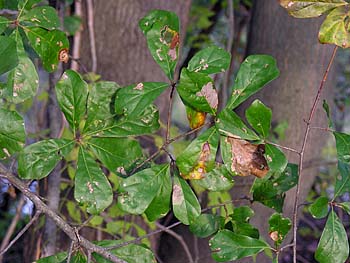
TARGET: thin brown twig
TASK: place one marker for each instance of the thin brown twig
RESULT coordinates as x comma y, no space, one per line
77,37
283,147
178,238
18,236
302,151
90,22
326,129
70,252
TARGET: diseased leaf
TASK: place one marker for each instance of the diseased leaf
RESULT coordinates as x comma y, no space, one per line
210,60
8,54
48,45
259,117
342,184
333,246
227,246
23,80
199,157
137,192
91,185
310,8
255,72
342,141
229,124
218,179
335,28
146,123
41,16
186,207
100,105
119,155
239,222
160,205
12,134
71,91
197,91
132,100
39,159
244,158
195,118
206,225
279,228
131,253
319,208
161,29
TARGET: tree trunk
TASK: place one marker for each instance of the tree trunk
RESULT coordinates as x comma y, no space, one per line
302,62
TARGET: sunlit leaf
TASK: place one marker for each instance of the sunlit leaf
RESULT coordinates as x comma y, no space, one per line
39,159
42,16
319,208
91,185
161,29
12,134
310,8
210,60
227,246
255,72
333,246
259,117
279,227
186,207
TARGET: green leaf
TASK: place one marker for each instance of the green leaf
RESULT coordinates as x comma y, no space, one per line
239,223
197,91
131,253
72,24
327,110
47,44
195,118
23,80
71,91
118,155
4,22
145,123
137,192
259,117
345,206
100,105
8,54
37,160
227,246
199,157
310,8
255,72
279,227
57,258
132,100
229,124
335,28
276,159
210,60
342,184
161,29
41,16
319,208
186,207
91,185
218,179
12,134
242,214
333,246
205,225
160,205
342,141
27,4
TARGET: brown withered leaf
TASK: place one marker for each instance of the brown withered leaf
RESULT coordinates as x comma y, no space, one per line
247,158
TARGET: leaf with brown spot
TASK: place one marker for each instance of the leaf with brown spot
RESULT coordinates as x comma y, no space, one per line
244,158
195,118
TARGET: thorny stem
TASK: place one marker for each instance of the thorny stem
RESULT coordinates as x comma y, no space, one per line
302,151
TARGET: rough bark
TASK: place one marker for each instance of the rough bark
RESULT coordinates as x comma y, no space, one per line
302,62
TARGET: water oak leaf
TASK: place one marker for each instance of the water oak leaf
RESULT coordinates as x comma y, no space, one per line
310,8
186,207
227,246
12,133
333,246
92,187
210,60
37,160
